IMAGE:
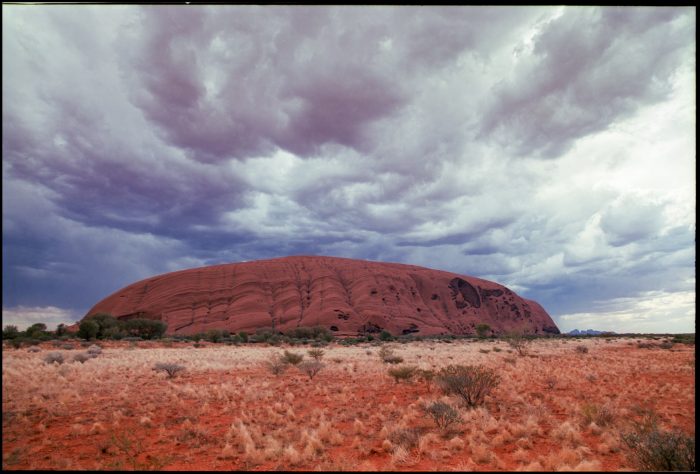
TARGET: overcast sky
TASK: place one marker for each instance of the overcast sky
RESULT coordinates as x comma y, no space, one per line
549,149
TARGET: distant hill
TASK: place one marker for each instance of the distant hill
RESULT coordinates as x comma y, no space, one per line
587,332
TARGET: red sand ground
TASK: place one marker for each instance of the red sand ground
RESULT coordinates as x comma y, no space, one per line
227,411
344,295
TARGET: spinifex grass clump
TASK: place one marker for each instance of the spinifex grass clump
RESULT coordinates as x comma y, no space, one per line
292,357
388,357
403,372
469,382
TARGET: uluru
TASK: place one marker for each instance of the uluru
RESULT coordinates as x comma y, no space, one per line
347,296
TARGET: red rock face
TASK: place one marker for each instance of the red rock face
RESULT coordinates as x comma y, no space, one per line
347,296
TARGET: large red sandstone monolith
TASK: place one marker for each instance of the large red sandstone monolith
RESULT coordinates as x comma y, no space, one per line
347,296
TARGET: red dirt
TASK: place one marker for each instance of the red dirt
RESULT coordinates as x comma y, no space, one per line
48,417
347,296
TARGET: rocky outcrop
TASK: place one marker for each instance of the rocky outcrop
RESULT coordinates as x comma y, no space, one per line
347,296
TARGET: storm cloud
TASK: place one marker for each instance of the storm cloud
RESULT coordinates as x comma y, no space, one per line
551,149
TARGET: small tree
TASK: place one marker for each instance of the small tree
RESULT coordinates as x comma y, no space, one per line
385,335
443,414
482,330
243,335
36,331
471,383
169,368
61,330
311,367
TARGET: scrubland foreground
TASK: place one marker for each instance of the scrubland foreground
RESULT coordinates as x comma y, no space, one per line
561,405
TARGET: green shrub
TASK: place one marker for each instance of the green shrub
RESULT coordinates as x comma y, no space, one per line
10,332
471,383
243,335
385,336
684,339
145,328
404,372
88,329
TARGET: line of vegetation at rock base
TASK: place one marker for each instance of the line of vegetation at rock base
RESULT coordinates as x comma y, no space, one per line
105,326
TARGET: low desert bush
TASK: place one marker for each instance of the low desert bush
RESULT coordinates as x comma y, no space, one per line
654,450
94,350
403,372
34,349
68,346
171,369
443,414
316,354
388,357
471,383
426,375
311,367
276,364
518,342
52,357
81,357
666,345
582,349
292,357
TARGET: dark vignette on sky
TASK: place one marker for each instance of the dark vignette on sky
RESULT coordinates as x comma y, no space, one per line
549,149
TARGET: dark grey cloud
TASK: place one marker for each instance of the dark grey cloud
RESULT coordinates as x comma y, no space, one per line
141,140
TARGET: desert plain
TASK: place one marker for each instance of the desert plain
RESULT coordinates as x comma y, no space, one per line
562,405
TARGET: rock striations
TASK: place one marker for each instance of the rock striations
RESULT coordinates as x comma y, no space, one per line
349,297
